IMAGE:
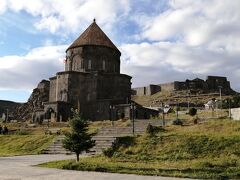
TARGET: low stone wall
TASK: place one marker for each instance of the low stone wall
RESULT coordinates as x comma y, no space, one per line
235,113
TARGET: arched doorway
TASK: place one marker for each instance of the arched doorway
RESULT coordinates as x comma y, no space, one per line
50,114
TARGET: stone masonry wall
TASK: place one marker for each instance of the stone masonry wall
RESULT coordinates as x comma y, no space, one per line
93,58
167,86
212,84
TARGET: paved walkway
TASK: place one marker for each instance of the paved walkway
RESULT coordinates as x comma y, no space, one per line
21,168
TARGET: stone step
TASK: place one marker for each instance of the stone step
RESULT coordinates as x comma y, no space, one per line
123,130
55,148
99,149
121,134
103,143
104,138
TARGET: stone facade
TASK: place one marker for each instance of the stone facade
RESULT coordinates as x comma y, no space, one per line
212,84
91,82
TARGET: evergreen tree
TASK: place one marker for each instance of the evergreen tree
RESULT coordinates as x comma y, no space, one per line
78,140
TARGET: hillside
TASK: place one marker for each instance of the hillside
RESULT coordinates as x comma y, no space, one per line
12,145
10,105
179,97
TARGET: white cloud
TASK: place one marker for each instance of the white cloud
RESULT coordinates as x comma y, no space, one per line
188,39
24,72
165,62
3,6
51,23
70,15
191,38
194,22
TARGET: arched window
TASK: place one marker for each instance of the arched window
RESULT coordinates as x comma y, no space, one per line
104,65
89,64
88,97
77,63
81,64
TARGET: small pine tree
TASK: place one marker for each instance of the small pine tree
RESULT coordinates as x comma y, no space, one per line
78,140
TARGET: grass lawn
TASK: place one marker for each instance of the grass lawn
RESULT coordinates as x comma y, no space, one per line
12,145
207,150
32,140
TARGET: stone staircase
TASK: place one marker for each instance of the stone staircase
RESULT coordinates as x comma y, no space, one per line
56,147
105,137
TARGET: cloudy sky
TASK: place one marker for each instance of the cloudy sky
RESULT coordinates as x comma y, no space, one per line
160,40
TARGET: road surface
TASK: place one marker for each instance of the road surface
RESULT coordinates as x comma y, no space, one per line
21,168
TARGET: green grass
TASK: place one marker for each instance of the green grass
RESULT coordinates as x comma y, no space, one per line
11,145
207,150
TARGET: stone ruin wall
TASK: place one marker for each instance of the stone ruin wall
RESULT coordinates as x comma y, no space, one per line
168,86
211,84
152,89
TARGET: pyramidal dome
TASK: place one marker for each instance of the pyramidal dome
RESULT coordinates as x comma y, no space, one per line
93,35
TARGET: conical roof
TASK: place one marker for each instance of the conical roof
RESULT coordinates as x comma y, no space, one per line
93,35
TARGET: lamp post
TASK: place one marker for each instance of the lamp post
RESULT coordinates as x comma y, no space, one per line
220,96
213,105
177,110
229,101
132,107
163,114
197,105
111,107
188,94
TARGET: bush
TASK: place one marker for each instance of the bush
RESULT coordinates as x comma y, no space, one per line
120,142
154,129
195,121
150,129
109,152
178,122
22,132
192,111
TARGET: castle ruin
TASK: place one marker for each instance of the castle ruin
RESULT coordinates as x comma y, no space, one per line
210,85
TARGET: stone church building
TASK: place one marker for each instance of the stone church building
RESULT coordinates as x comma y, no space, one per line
91,82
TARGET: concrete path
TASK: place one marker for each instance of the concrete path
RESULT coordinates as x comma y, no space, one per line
21,168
